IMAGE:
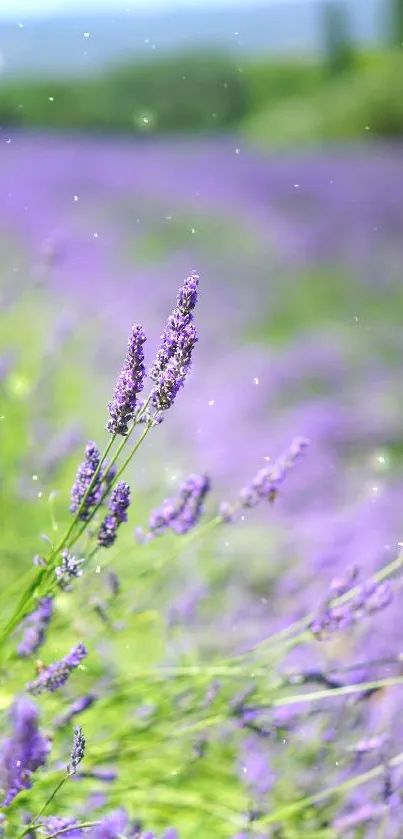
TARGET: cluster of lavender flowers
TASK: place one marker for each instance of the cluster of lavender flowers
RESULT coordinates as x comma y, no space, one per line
333,617
97,485
180,514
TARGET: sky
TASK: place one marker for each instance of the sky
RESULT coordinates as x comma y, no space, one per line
32,8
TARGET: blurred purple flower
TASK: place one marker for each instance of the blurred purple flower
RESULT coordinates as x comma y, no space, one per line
53,677
55,823
75,708
180,514
371,597
267,482
111,827
22,753
36,625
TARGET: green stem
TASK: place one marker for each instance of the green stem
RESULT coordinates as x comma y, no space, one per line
117,476
42,810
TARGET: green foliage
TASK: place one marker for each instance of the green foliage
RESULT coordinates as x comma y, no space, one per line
278,102
180,93
273,81
365,104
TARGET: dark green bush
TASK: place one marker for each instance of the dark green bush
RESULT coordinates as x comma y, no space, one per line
181,93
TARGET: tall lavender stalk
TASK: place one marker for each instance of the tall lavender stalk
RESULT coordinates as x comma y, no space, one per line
173,361
130,383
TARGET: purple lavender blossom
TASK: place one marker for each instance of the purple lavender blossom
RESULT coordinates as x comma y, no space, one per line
84,479
267,482
130,383
53,677
24,752
111,827
181,514
173,361
78,750
36,626
69,568
119,503
74,709
371,597
55,823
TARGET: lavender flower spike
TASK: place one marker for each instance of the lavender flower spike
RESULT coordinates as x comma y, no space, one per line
78,750
119,503
84,479
24,752
371,597
173,360
53,677
267,482
181,514
53,824
36,626
130,383
69,568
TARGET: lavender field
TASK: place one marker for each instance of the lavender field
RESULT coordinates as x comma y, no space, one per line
244,672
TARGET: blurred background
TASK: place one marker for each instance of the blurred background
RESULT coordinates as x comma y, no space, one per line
260,143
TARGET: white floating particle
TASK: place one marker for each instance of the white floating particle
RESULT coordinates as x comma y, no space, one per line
8,141
237,151
51,99
367,128
86,34
21,25
98,569
40,494
296,186
34,477
193,230
76,198
256,380
212,402
356,318
95,235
